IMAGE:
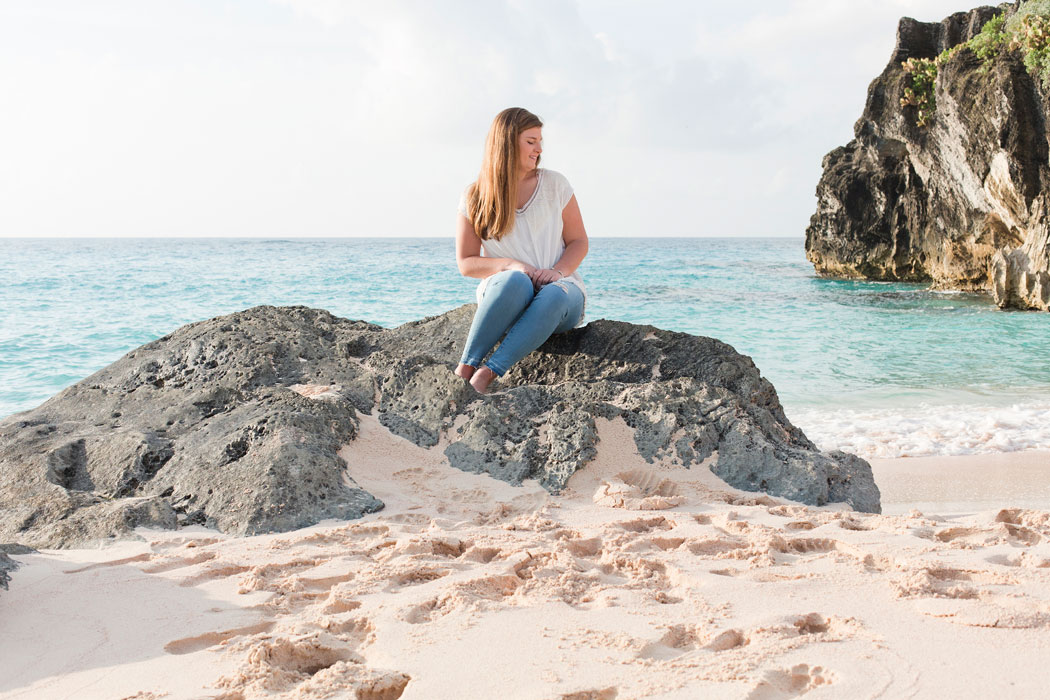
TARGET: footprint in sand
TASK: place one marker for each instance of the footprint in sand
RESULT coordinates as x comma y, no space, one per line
360,629
682,639
1034,520
813,623
786,511
464,596
645,525
414,521
1023,559
667,543
852,523
726,640
416,577
324,583
286,576
976,598
336,605
1024,526
609,693
741,500
482,555
1000,612
1014,526
188,645
447,548
318,664
350,680
275,661
974,537
1023,534
789,683
367,530
714,547
678,640
585,548
730,573
214,573
950,534
941,582
808,545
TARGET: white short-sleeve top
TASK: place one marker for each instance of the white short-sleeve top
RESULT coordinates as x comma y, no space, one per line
536,236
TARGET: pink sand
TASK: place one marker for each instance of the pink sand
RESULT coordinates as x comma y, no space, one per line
639,581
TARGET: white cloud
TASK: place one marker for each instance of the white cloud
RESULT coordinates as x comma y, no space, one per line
329,117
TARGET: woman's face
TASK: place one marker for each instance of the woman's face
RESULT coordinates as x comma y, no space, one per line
530,145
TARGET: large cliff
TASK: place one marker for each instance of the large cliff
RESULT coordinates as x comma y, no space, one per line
951,187
237,423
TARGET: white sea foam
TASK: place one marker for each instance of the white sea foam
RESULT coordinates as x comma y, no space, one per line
927,430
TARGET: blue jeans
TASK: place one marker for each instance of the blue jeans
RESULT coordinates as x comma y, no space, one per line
510,305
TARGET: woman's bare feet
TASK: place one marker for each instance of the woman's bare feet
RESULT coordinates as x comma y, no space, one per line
481,380
465,371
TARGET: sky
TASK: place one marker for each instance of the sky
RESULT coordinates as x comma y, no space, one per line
289,118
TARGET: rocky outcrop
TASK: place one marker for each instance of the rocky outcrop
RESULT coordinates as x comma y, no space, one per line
961,202
237,422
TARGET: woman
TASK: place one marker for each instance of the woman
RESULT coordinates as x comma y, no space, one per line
521,232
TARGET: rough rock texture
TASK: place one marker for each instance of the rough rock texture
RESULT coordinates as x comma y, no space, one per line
236,422
963,202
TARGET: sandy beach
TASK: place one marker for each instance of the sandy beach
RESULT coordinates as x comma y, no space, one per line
260,260
964,483
638,581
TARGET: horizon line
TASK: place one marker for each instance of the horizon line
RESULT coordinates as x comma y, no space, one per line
200,237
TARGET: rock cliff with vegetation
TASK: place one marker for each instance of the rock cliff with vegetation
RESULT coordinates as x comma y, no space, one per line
237,423
947,180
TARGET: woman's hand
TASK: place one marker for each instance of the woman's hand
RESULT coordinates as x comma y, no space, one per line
544,277
528,269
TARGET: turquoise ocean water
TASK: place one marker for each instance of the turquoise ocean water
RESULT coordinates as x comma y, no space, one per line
877,368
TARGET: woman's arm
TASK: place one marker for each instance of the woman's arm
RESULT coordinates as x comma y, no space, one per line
470,261
574,235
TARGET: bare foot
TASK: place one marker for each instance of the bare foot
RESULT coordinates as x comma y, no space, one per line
465,371
481,380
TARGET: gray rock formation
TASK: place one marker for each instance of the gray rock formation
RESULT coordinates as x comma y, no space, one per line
210,425
961,202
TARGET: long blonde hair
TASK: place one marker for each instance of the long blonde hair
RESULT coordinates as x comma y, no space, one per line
491,200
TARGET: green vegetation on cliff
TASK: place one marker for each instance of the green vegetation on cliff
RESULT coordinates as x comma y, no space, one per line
1027,31
920,94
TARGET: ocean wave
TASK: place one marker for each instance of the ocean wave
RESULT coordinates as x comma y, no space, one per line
929,430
